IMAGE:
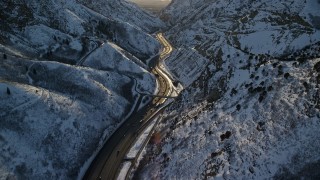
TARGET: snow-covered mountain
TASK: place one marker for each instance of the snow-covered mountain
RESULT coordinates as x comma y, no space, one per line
67,30
126,11
246,25
53,116
253,113
71,71
68,77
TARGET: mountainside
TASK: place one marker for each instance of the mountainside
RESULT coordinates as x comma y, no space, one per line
253,113
275,27
53,116
66,31
72,71
123,10
68,77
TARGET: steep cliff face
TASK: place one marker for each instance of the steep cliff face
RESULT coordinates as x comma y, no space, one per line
253,113
54,113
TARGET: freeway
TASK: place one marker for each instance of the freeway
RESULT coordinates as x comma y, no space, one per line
107,163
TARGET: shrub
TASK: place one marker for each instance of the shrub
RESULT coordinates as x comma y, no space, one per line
233,91
225,136
238,107
274,65
258,89
8,91
250,89
305,84
317,67
228,134
261,97
286,75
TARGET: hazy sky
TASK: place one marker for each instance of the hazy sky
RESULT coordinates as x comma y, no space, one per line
151,1
152,5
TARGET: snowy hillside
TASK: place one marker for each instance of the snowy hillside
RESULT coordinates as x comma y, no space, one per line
58,114
126,11
250,26
262,122
66,31
254,111
68,77
120,63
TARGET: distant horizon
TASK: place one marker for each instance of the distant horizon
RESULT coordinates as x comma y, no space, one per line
152,4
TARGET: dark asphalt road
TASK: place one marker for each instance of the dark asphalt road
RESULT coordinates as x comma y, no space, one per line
106,164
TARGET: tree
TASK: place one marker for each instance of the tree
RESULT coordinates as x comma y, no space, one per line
286,75
238,107
8,91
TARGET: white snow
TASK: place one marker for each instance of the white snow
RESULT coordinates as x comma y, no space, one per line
108,57
124,170
73,23
133,152
76,45
288,131
264,116
55,125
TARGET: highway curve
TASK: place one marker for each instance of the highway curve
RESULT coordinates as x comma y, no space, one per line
107,163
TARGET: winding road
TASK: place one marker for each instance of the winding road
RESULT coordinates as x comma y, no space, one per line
107,163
